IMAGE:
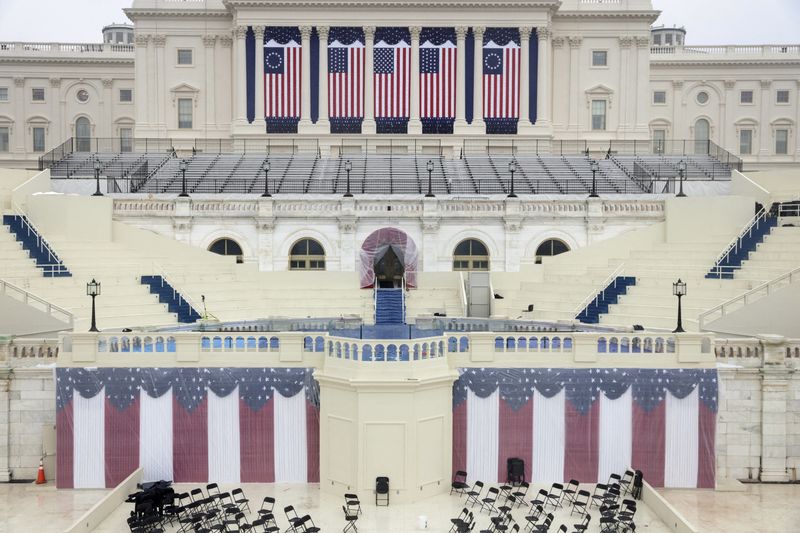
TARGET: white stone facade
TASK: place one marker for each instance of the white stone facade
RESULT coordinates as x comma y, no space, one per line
648,92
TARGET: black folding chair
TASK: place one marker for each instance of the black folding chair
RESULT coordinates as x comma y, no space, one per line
353,503
580,503
351,519
490,499
474,493
459,483
382,490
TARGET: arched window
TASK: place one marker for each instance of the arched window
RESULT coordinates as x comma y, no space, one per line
83,135
549,248
471,254
702,134
227,246
307,254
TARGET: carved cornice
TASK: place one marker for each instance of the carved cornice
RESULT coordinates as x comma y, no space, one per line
135,14
650,16
209,41
550,5
322,32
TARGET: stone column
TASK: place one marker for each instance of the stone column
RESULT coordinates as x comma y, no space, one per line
625,80
223,104
774,395
677,106
766,128
477,102
21,130
368,125
141,42
209,42
544,103
797,126
347,237
160,123
643,93
54,101
240,76
305,82
5,421
726,104
265,224
104,126
259,109
524,78
461,80
323,125
414,123
574,75
512,225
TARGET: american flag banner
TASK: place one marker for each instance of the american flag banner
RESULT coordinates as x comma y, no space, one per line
586,424
346,79
198,425
392,73
282,78
501,70
437,79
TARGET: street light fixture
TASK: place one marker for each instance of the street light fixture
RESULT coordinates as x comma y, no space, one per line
681,174
679,290
348,166
93,290
595,167
265,166
512,167
182,166
97,177
430,172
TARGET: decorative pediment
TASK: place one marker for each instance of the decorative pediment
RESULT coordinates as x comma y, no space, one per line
599,92
184,90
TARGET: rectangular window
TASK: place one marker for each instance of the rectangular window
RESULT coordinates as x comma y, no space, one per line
745,142
599,58
668,39
746,97
4,136
782,97
660,97
185,113
659,140
657,40
38,139
126,95
184,56
3,94
598,115
37,94
781,142
125,140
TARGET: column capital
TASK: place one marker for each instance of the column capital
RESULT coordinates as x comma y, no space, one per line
159,41
558,42
369,32
730,84
56,82
677,84
415,31
766,84
478,31
642,42
626,42
209,41
461,32
259,31
305,32
575,41
226,41
19,81
141,39
525,32
240,31
322,32
544,33
107,82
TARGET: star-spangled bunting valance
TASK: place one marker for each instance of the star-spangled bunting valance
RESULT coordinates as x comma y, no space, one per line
191,385
282,34
501,36
584,386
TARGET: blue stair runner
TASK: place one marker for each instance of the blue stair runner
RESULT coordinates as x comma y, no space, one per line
168,295
608,296
746,243
38,249
389,307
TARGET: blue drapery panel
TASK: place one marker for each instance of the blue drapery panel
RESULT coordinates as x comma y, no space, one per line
250,59
469,76
583,386
533,78
314,81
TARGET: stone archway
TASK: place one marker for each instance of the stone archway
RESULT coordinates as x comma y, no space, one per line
375,252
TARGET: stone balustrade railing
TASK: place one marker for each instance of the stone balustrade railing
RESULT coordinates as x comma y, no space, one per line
294,348
19,352
729,51
29,48
766,350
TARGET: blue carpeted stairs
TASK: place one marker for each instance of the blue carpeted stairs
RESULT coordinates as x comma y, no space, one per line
608,296
38,249
748,242
389,307
168,295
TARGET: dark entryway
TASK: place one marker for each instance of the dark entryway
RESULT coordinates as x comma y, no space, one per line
389,270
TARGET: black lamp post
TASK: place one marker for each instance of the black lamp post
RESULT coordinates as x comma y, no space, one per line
93,290
595,168
512,167
265,166
97,178
348,166
681,174
429,167
679,290
182,166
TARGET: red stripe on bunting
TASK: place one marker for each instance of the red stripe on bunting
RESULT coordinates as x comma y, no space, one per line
312,442
460,437
516,437
121,441
190,442
582,443
707,429
257,443
649,434
64,447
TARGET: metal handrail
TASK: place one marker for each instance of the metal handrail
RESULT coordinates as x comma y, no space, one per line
40,240
595,294
51,309
463,293
166,278
765,289
736,242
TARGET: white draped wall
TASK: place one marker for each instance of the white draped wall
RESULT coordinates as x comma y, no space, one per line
548,438
155,436
681,441
89,448
223,437
290,438
482,436
616,435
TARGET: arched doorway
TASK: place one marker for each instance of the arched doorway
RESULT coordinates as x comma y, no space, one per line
83,135
227,246
549,248
702,134
307,254
387,256
471,254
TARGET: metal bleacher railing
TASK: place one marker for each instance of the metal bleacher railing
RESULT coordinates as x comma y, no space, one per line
297,166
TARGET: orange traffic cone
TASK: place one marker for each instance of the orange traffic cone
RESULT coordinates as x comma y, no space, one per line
40,479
